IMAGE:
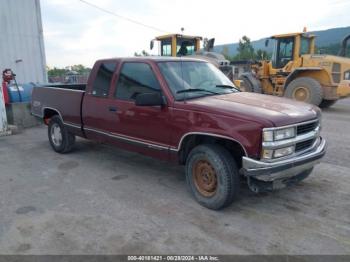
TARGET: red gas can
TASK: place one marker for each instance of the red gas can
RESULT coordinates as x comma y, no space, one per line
7,77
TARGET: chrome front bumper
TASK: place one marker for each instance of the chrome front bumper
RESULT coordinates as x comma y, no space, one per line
288,168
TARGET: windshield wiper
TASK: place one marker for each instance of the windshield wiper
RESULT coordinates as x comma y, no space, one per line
196,90
226,86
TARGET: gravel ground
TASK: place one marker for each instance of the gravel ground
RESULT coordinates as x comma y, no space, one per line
101,200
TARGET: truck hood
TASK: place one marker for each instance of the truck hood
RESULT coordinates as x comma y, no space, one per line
266,109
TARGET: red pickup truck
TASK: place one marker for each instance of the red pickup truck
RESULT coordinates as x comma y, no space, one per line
187,111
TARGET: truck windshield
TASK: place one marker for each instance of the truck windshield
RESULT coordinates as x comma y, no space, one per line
199,78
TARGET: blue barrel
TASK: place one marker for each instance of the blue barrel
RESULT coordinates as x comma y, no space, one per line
20,93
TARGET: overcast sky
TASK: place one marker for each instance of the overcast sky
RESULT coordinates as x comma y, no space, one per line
76,33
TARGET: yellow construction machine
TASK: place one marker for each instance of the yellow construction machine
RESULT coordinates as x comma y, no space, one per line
296,72
178,45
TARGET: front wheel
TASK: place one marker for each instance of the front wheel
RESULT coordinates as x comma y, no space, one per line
212,176
61,140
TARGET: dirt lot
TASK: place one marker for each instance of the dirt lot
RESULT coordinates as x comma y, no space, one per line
100,199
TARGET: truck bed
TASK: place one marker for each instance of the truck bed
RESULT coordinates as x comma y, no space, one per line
65,99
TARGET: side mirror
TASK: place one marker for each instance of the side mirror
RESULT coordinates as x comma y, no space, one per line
150,99
266,42
151,44
211,44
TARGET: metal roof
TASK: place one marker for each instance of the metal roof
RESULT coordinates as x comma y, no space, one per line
21,40
153,58
292,35
178,35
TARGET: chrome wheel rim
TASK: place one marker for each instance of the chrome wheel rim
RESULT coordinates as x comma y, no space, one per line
56,135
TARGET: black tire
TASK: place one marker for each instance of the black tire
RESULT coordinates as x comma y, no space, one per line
226,176
327,103
308,85
66,143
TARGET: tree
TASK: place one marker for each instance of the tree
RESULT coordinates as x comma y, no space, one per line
245,49
262,55
53,72
225,52
80,69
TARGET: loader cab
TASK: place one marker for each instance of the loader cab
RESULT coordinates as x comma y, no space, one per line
177,45
289,47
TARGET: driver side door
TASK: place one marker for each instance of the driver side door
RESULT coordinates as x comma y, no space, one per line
145,127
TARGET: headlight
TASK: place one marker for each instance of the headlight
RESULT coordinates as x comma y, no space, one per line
277,153
267,154
283,151
281,134
268,136
278,134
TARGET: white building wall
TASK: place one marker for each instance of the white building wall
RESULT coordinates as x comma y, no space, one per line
21,40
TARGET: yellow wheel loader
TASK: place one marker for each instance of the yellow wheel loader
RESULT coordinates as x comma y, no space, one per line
296,72
178,45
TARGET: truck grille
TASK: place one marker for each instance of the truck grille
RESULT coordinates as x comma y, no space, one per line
303,145
303,129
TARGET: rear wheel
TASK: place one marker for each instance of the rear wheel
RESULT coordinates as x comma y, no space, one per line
327,103
305,89
61,140
212,176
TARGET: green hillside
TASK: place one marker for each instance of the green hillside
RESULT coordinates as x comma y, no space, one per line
327,41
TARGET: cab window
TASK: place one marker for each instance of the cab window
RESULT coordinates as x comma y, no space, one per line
285,47
135,79
304,46
166,47
185,46
103,79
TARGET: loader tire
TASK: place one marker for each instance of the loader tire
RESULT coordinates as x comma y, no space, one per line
305,89
327,103
246,85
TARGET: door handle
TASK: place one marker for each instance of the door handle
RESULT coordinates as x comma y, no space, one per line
112,109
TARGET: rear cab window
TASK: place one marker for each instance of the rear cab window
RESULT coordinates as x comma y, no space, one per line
102,83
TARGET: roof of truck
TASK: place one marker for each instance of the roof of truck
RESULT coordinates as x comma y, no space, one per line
153,58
